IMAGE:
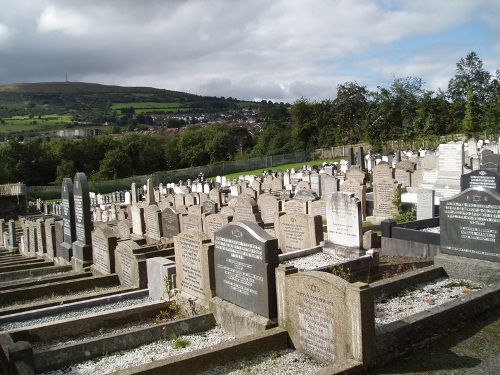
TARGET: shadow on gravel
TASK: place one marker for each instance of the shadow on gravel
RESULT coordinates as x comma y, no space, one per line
475,345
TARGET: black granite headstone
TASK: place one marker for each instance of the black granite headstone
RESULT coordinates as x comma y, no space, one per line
170,222
82,247
210,207
470,224
245,258
481,178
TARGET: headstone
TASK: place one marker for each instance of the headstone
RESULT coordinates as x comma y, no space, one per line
82,247
269,206
295,206
124,228
138,223
305,195
153,222
298,231
382,171
385,193
425,204
352,186
65,249
214,222
246,208
104,242
210,207
11,227
343,218
194,262
451,167
488,179
245,258
161,273
170,223
326,317
329,185
470,224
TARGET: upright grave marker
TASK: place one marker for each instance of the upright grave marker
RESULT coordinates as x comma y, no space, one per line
82,247
343,217
245,258
65,248
470,224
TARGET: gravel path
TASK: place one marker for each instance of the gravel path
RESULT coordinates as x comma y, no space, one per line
86,311
419,298
313,261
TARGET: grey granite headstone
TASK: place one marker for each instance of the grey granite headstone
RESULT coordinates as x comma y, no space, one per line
65,248
343,217
170,222
161,273
245,258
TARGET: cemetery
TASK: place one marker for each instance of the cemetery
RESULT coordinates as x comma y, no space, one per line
312,270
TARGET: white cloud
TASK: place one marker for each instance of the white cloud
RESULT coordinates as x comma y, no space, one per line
271,49
68,21
4,34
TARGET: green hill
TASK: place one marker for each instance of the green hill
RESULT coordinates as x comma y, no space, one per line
33,108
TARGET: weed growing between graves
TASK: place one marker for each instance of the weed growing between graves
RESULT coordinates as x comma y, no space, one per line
173,308
179,342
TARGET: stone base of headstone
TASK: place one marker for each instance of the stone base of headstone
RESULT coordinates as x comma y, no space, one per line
65,252
48,257
80,265
371,240
97,271
238,321
467,268
343,251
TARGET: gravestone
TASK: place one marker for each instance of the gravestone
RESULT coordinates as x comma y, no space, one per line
491,161
317,208
425,204
352,186
214,222
245,258
246,209
189,222
194,262
152,220
385,193
124,228
305,195
11,227
138,222
488,179
294,206
382,171
268,205
326,317
451,167
329,185
33,240
210,207
470,224
343,218
104,242
40,236
50,238
298,231
161,274
170,223
65,248
82,247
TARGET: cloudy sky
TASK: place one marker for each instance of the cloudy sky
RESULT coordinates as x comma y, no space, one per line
248,49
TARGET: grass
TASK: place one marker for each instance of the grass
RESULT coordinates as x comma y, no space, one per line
145,107
283,167
50,123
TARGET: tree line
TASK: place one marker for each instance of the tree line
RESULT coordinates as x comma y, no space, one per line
403,111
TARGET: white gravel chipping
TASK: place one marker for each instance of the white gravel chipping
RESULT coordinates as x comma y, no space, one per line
313,261
86,311
144,354
419,298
